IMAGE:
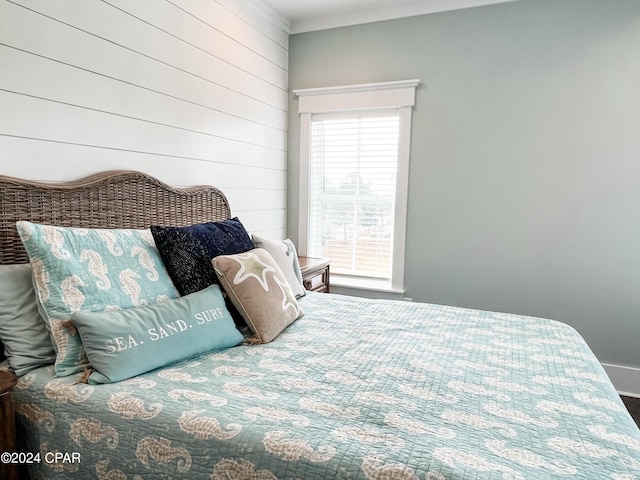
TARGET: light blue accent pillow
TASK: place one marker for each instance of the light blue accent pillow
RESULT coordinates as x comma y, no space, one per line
80,269
126,343
26,340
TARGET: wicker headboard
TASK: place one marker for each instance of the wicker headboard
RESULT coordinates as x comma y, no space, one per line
113,199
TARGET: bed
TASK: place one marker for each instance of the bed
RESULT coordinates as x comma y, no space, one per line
352,388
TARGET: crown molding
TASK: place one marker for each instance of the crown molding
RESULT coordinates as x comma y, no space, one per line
265,10
384,12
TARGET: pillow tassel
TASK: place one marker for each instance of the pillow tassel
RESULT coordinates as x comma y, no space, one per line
85,375
253,340
69,325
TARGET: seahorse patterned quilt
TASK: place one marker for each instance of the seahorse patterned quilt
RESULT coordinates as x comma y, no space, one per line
356,389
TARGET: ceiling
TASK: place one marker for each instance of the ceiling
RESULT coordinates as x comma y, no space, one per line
309,15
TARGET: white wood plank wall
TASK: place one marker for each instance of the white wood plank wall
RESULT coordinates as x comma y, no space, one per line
190,91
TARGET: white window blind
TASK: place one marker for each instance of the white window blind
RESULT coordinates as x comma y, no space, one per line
352,189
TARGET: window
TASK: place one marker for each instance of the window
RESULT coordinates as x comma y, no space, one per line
353,166
354,159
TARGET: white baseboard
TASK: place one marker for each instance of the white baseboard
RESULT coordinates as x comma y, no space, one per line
625,379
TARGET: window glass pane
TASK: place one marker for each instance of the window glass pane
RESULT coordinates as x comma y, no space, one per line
353,165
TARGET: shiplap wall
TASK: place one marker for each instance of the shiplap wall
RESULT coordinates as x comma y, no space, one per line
190,91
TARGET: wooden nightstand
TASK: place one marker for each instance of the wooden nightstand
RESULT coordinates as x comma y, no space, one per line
7,424
315,273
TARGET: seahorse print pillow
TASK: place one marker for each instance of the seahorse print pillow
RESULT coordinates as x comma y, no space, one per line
92,270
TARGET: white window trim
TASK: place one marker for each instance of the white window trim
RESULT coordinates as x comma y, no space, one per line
400,95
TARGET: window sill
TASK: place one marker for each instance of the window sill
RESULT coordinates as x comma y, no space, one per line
359,283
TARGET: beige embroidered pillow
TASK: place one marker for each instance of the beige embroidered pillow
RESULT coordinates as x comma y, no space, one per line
259,290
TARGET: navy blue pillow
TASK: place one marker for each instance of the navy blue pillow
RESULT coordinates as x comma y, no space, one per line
187,251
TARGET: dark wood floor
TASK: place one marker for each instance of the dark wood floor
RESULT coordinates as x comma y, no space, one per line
633,405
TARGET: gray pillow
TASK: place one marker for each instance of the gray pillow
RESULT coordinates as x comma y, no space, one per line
27,343
285,254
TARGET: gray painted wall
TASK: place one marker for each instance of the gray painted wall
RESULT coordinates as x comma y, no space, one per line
525,170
